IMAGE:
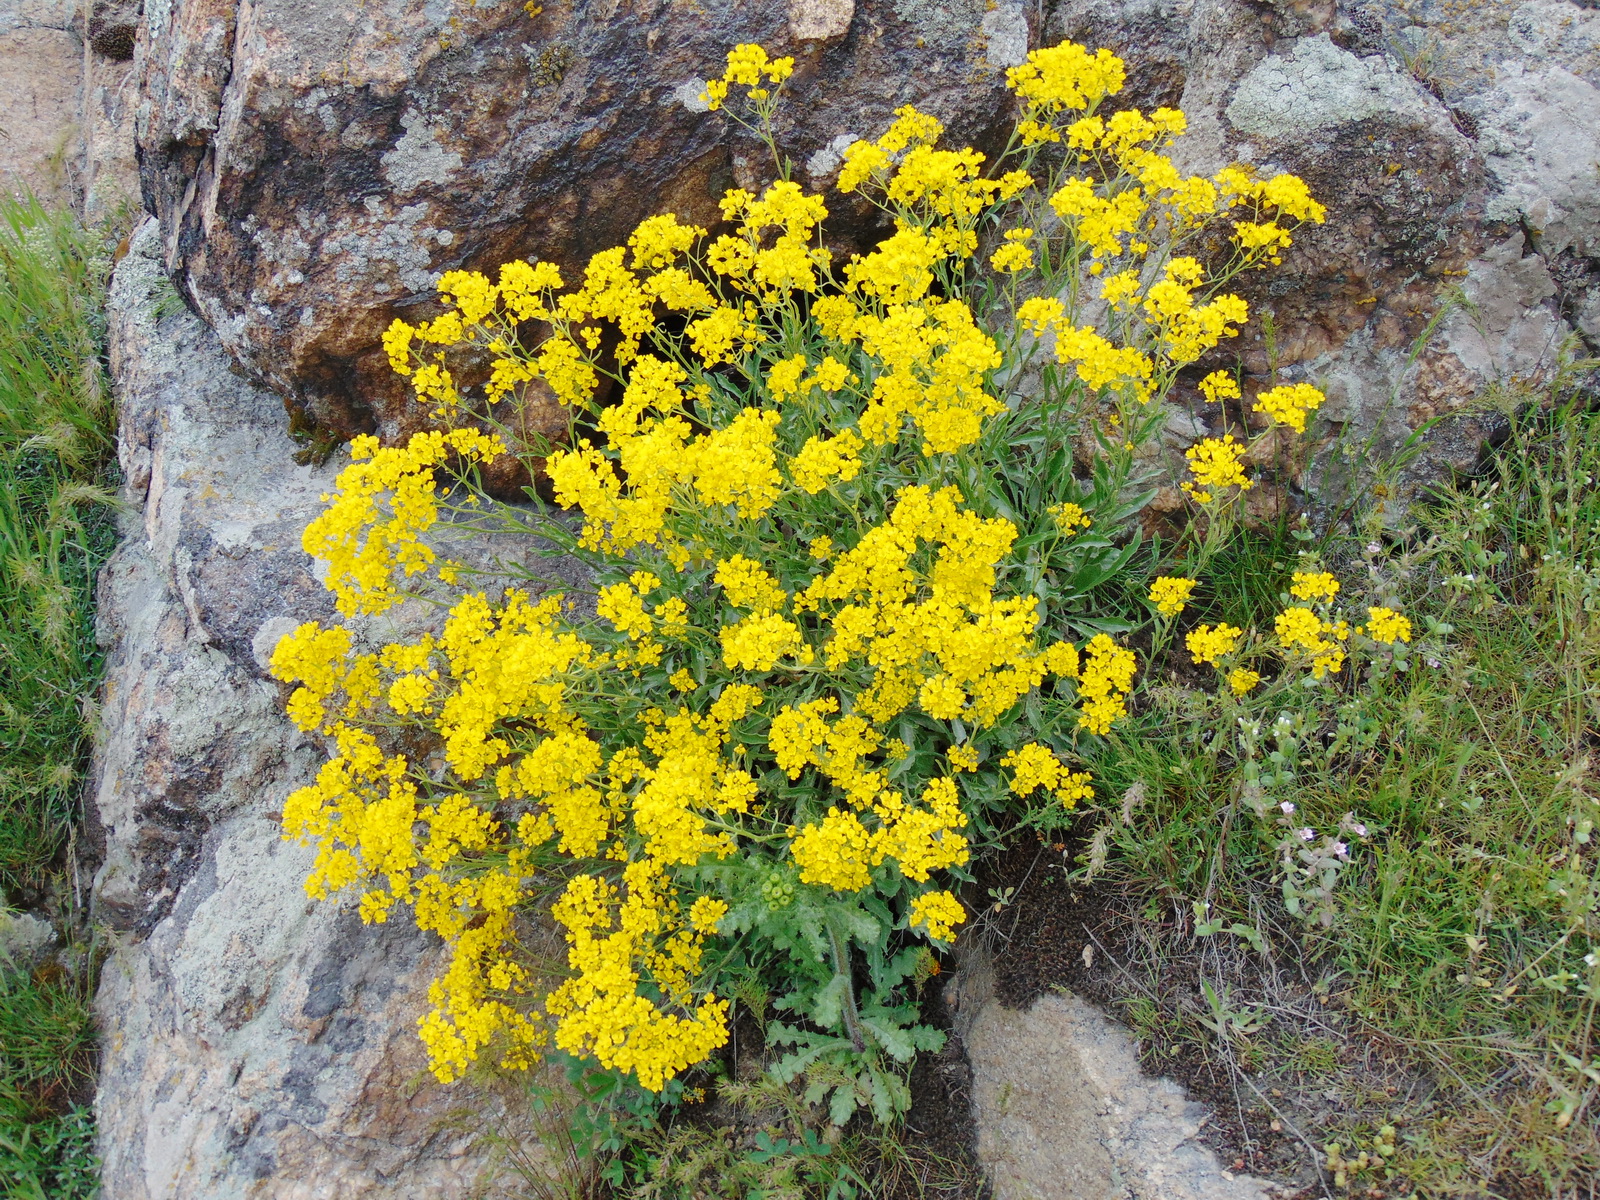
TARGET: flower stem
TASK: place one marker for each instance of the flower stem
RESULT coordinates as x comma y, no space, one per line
841,966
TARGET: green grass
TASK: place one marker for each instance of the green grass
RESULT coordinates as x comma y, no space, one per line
46,1073
1465,931
55,525
56,528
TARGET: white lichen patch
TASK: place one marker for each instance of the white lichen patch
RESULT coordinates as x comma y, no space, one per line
1005,32
1319,85
829,158
419,157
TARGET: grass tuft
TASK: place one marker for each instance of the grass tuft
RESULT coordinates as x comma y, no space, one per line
56,524
56,528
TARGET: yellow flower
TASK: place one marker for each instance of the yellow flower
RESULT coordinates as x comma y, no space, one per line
1015,255
831,374
1208,643
1242,680
1219,386
1039,313
1290,405
1101,364
1032,766
750,67
367,551
747,584
658,241
1069,517
1120,290
624,608
705,914
1066,76
937,912
783,377
723,335
1215,463
963,758
736,464
1104,680
1387,626
758,642
835,853
1170,593
1313,585
1299,627
822,460
1073,787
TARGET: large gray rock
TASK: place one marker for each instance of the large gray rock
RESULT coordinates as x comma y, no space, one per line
255,1043
315,165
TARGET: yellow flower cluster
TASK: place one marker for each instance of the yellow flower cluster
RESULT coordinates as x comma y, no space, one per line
748,66
1301,630
956,651
1219,386
1216,464
364,811
1315,636
937,912
614,941
911,603
1034,766
840,851
1014,254
1386,626
1187,330
1058,79
1290,405
1208,643
368,550
790,582
1313,585
1170,593
1104,684
1069,517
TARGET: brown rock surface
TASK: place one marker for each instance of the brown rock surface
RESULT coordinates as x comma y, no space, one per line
315,165
40,69
66,111
109,172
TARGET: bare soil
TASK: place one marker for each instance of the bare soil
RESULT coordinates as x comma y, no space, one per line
1304,1067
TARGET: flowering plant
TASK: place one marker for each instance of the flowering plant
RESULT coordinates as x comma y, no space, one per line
845,545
